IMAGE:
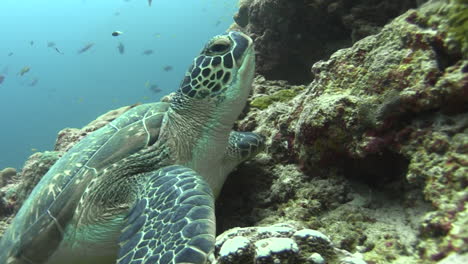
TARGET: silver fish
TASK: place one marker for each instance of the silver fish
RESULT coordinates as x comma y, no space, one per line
85,48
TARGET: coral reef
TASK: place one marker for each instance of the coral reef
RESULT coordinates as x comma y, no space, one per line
6,175
280,243
373,152
292,35
6,208
458,25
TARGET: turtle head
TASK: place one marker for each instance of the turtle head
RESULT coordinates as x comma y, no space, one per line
220,77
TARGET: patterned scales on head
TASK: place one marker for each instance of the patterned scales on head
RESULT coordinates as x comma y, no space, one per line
142,188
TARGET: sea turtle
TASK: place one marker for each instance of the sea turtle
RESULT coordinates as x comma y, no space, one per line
142,188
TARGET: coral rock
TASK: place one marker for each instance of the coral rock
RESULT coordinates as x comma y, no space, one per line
280,243
6,175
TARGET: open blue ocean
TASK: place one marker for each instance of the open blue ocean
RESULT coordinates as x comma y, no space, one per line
61,67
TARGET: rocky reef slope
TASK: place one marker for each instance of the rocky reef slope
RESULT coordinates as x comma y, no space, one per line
367,149
374,151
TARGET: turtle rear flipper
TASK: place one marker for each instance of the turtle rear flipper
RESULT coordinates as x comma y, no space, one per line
172,221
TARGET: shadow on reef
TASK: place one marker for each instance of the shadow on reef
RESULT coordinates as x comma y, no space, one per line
257,190
239,197
378,171
291,36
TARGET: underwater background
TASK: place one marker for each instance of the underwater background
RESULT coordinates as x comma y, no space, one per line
49,85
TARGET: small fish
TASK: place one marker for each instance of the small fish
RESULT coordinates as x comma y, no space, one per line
146,98
147,84
50,44
168,68
155,88
117,33
157,35
31,42
34,82
218,23
56,49
10,54
85,48
2,78
149,2
117,13
24,70
147,52
34,150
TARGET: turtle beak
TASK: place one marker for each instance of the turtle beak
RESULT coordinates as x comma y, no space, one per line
242,35
242,45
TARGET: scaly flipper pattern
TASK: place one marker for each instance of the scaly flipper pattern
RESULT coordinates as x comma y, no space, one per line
172,221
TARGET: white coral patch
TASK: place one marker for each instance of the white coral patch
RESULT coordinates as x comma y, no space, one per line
274,246
311,234
275,230
316,258
234,246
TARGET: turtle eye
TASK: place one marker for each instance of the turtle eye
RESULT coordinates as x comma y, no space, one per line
220,46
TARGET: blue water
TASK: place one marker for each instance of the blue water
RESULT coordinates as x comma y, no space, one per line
73,89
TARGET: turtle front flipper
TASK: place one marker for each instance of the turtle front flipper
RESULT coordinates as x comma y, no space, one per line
243,146
172,221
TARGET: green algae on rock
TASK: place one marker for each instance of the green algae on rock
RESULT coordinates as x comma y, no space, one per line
458,24
263,102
